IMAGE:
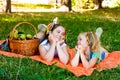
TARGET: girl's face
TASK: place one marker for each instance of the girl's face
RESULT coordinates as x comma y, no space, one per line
82,40
59,33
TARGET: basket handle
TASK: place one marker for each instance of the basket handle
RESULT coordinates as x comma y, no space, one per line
24,23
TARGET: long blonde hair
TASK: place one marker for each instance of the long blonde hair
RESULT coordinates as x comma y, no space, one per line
93,41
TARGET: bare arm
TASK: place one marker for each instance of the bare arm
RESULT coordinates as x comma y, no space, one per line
75,60
62,53
47,55
88,64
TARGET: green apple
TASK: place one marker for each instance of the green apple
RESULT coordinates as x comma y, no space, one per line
15,34
29,36
22,36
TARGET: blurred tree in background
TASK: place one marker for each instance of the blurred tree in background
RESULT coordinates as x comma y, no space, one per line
75,5
6,6
67,3
95,4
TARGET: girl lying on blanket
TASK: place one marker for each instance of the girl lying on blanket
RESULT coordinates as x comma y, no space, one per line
88,50
54,45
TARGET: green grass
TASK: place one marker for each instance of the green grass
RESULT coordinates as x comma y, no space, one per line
24,69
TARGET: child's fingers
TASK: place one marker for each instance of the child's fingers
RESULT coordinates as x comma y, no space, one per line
61,42
76,47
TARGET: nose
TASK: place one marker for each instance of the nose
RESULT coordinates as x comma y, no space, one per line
60,36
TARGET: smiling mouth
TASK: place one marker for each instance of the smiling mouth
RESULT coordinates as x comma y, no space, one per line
58,38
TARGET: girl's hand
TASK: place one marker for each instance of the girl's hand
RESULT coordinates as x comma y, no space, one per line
60,42
51,38
78,47
82,49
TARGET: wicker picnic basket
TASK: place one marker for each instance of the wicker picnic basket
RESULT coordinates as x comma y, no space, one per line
24,47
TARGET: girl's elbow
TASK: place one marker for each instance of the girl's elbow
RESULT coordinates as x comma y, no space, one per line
87,66
65,61
74,65
49,60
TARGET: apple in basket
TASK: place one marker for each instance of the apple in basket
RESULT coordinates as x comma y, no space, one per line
29,36
15,34
22,36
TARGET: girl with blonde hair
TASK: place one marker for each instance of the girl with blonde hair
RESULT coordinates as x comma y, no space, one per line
88,50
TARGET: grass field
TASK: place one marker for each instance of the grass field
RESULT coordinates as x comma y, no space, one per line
26,69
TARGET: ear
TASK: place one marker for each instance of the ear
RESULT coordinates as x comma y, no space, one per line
42,27
99,32
55,20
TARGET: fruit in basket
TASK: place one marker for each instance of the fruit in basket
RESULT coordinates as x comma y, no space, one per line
19,34
29,36
22,36
15,34
11,35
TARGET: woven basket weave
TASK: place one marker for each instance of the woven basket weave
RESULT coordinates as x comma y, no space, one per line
24,47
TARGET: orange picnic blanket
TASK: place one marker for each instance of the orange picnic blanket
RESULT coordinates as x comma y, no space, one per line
112,61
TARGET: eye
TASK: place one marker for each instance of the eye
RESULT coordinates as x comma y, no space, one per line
58,31
79,39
